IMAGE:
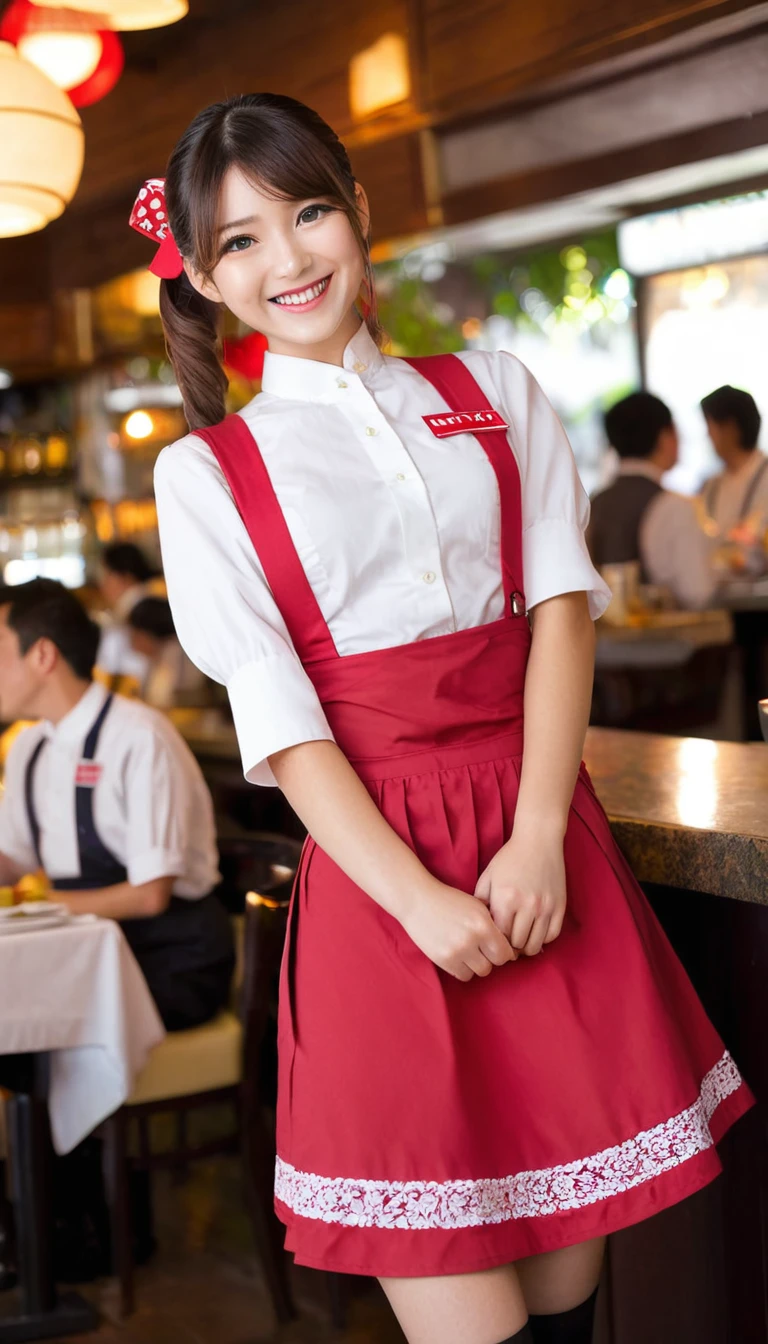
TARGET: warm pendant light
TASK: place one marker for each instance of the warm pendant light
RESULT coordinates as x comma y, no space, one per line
41,147
67,46
126,15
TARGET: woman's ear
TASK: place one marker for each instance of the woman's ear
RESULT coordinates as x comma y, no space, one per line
363,209
202,283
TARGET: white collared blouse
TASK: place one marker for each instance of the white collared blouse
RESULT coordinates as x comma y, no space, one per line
399,536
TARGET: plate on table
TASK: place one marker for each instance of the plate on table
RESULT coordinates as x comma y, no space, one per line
32,915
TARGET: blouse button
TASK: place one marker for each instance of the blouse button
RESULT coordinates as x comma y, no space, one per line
359,368
400,476
370,431
340,383
429,577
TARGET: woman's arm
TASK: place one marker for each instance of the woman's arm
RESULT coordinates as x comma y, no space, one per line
451,927
524,884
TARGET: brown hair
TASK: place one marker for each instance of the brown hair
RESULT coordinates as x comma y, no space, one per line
290,152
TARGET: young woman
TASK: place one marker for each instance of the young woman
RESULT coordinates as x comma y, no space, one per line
489,1055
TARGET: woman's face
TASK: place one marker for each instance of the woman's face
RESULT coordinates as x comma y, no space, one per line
289,269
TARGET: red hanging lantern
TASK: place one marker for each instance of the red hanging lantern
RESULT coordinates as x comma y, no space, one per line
84,60
245,355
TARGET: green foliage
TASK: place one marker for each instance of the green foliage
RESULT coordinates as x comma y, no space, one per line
578,286
566,283
412,317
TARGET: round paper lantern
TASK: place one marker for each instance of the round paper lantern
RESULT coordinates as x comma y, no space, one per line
41,147
126,15
66,58
67,46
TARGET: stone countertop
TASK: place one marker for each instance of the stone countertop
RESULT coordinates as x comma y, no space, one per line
687,812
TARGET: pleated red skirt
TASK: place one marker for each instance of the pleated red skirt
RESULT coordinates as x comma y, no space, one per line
428,1126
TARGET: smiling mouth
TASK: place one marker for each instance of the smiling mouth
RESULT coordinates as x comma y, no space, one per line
302,298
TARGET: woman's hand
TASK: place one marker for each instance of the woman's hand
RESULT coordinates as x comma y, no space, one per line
456,932
524,889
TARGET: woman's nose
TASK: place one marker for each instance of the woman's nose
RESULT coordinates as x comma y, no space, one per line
290,259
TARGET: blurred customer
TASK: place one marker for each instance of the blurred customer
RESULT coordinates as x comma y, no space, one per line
105,796
171,678
636,519
125,574
738,497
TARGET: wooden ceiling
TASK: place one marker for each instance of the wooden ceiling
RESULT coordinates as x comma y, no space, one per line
468,61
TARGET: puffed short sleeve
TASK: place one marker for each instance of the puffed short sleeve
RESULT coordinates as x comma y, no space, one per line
554,503
225,615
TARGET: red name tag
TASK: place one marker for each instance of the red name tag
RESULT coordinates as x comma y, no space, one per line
88,774
463,422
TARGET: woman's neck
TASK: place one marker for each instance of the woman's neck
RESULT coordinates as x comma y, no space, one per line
330,351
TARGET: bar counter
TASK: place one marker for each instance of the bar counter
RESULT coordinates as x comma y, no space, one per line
687,812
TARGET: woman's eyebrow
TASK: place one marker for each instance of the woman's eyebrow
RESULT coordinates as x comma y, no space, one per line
239,223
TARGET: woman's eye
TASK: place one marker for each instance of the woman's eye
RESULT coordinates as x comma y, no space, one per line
314,212
238,244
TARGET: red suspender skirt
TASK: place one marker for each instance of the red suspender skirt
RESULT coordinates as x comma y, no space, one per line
427,1126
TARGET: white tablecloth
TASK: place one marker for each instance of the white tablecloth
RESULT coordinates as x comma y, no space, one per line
77,992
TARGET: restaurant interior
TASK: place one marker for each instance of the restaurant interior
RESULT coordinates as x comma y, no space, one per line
584,186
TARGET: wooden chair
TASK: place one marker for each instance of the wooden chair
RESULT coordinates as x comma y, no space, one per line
220,1062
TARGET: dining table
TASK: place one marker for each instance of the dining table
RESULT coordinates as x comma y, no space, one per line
75,1007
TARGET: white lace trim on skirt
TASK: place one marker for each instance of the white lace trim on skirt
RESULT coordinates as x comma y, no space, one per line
417,1205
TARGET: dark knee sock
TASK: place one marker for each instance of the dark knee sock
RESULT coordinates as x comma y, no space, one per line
566,1327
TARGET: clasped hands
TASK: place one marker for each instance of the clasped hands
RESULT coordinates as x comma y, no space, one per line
517,908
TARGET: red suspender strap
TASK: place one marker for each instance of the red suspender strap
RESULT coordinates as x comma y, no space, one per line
238,455
451,378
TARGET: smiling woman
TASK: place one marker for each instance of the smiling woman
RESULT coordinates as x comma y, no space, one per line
384,561
272,224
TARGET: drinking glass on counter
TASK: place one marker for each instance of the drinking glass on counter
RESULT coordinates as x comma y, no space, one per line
624,582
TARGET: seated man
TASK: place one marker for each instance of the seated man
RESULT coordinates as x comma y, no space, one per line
172,678
635,518
105,796
125,579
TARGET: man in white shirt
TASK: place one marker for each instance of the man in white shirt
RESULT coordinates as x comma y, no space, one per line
103,794
171,677
635,518
125,574
738,496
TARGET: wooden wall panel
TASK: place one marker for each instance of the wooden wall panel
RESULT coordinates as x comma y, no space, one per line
494,50
296,47
27,338
390,170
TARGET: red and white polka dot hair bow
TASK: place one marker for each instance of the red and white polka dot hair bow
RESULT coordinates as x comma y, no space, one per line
150,216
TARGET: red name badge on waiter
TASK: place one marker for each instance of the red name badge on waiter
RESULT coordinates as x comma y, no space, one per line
88,774
463,422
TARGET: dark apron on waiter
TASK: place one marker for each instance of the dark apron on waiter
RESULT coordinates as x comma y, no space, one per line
186,953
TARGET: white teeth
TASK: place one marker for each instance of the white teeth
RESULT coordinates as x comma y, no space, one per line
305,295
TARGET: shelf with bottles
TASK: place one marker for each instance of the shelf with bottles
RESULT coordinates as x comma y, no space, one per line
30,460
